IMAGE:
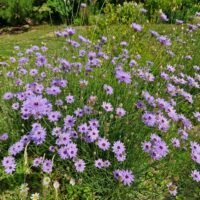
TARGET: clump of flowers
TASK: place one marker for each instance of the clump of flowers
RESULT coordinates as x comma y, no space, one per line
124,176
156,147
68,115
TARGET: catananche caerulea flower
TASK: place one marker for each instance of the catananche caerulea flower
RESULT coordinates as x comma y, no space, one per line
79,165
108,89
107,107
36,106
136,27
156,147
9,164
47,166
124,176
103,144
37,134
195,175
123,77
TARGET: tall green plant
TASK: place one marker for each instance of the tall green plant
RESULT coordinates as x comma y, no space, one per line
63,7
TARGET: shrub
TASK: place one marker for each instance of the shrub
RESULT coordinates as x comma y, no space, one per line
15,12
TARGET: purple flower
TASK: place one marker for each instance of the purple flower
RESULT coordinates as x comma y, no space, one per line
53,90
108,89
149,119
70,31
103,144
107,106
63,153
195,154
124,176
59,102
92,135
121,157
195,175
127,177
120,112
87,110
136,27
69,121
8,96
16,148
164,41
197,116
54,116
36,106
183,134
47,166
9,164
79,165
163,17
69,151
70,99
146,147
37,134
83,128
123,77
33,72
79,112
118,147
99,163
56,131
106,163
52,149
93,123
140,105
3,137
154,33
37,161
63,139
176,142
41,61
156,148
82,53
132,63
91,55
72,150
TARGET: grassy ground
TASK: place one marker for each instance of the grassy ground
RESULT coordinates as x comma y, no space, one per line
151,177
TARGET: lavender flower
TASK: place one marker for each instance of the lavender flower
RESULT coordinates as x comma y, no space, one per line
79,165
195,175
9,164
136,27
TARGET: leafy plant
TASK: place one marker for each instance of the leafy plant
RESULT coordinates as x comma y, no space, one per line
15,12
62,7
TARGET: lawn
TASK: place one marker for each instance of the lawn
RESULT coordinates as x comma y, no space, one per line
135,76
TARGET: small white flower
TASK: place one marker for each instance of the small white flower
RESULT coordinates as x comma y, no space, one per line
23,190
46,181
56,185
72,181
35,196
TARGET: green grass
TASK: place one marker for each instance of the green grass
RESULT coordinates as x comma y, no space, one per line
151,177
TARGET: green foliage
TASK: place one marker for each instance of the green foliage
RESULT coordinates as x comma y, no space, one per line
15,11
174,9
62,7
42,12
126,13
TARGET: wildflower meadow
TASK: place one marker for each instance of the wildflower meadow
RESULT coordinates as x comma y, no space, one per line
96,114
